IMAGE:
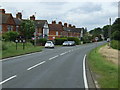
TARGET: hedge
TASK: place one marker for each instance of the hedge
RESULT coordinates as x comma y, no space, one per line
59,41
77,41
115,44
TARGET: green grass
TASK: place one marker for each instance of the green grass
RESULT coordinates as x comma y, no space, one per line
11,49
107,71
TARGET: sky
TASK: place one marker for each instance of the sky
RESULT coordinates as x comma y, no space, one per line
81,14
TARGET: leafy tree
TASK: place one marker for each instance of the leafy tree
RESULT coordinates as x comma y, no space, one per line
106,31
116,35
27,28
10,36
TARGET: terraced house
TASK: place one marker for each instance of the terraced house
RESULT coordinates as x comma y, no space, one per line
42,28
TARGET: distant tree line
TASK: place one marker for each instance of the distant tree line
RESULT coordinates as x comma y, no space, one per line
105,31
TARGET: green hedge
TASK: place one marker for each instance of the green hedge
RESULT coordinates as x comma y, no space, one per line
77,41
115,44
59,41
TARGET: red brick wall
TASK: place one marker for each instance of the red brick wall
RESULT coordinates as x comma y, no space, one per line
52,34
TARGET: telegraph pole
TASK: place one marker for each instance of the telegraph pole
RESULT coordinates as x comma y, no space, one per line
110,32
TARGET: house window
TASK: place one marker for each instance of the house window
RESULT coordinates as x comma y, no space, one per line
0,28
9,28
57,33
17,28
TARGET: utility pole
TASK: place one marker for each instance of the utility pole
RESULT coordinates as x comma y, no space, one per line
110,32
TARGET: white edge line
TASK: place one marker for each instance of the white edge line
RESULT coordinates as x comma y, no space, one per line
36,65
19,56
53,57
8,79
84,73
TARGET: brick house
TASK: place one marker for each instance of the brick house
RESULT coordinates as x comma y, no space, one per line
41,26
71,31
55,30
7,22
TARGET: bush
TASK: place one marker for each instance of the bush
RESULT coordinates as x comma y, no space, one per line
77,41
116,35
41,41
115,44
4,46
59,41
10,36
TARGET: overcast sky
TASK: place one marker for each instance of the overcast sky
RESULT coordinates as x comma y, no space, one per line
80,14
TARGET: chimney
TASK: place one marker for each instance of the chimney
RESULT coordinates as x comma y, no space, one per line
60,22
65,24
53,22
74,26
19,15
32,17
70,25
2,11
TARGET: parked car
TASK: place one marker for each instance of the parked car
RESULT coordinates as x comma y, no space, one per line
49,44
69,43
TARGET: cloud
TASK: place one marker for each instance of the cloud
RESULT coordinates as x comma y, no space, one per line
81,14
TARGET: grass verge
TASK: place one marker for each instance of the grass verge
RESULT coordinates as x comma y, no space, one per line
106,73
10,49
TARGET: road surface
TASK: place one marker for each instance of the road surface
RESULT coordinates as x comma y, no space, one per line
61,67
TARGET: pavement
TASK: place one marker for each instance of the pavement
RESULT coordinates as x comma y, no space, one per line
61,67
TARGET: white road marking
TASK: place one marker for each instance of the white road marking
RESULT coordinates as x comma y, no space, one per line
19,56
8,79
36,65
53,57
84,73
62,54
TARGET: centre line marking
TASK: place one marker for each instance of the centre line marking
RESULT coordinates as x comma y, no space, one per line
8,79
36,65
53,57
62,54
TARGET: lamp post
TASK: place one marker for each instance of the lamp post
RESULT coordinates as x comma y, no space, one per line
81,36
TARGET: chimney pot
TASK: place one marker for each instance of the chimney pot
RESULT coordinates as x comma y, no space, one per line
70,25
2,11
60,22
53,22
19,15
32,17
65,24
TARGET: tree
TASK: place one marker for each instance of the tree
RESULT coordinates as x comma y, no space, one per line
27,28
10,36
105,31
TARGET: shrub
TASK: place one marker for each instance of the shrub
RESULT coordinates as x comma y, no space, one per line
41,41
116,35
115,44
59,41
10,36
4,46
77,41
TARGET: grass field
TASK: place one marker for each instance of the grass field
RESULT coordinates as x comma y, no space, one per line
107,72
10,49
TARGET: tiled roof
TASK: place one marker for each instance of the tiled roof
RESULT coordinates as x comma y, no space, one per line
40,23
56,27
4,18
17,21
72,29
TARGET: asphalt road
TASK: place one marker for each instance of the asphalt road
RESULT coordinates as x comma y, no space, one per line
61,67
